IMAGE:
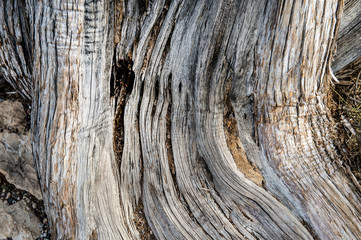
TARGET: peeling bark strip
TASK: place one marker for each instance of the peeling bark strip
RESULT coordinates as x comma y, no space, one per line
177,161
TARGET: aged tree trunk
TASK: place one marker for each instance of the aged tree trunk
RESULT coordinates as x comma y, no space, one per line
209,115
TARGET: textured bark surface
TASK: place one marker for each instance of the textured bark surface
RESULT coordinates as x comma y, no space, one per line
294,126
72,119
349,35
208,197
219,115
16,45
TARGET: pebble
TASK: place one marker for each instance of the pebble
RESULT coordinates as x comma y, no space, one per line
34,205
8,195
11,200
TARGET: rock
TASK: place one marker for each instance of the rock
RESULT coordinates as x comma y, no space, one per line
12,116
17,223
16,161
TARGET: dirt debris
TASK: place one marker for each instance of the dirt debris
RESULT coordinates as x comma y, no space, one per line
345,103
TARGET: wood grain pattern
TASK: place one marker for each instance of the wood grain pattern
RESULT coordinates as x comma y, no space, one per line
196,65
349,35
16,45
294,125
72,119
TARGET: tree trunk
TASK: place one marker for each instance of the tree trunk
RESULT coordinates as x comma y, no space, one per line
210,116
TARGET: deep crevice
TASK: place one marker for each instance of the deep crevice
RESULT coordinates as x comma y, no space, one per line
169,139
155,96
310,230
141,223
156,88
121,86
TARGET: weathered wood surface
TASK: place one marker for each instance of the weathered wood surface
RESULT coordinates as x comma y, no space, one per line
198,66
349,36
294,125
219,202
16,45
72,119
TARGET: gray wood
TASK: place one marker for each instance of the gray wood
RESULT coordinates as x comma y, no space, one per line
349,36
289,104
72,119
16,45
197,66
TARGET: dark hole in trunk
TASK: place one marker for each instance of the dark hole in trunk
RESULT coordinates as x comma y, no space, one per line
121,86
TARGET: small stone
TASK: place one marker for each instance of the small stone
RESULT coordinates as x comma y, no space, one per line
11,200
34,205
8,195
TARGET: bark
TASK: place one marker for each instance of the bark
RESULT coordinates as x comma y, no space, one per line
220,127
349,49
15,45
72,119
294,125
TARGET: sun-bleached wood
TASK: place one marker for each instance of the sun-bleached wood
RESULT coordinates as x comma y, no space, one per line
293,123
197,65
15,46
349,35
72,119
